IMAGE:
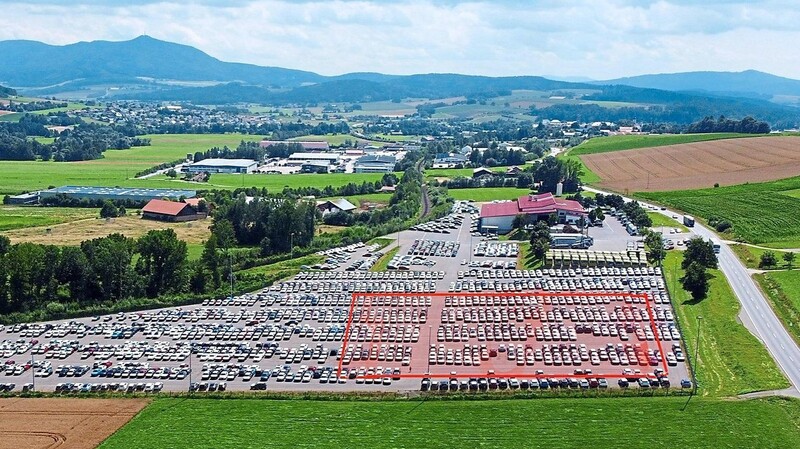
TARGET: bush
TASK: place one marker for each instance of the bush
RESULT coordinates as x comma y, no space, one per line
768,260
723,225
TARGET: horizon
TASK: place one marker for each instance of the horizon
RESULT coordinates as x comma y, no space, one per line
614,39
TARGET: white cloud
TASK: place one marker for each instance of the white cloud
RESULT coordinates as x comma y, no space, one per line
600,39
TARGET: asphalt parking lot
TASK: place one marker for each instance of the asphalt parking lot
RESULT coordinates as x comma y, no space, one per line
466,318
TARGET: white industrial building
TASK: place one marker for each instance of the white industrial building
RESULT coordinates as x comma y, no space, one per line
215,165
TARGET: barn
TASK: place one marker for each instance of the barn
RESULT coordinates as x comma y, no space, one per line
171,211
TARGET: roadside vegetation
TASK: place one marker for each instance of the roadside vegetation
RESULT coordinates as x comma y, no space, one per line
782,288
547,423
383,262
731,360
661,220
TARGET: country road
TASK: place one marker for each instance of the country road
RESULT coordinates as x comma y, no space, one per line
755,307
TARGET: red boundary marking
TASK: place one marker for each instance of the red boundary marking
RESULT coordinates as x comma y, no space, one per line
645,296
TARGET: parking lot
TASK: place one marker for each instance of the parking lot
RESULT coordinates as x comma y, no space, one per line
456,313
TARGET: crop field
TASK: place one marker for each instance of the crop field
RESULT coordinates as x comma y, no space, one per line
547,423
16,217
73,233
760,213
783,290
39,423
731,360
697,165
631,142
486,194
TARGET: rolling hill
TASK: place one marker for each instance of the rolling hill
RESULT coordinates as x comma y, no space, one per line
749,83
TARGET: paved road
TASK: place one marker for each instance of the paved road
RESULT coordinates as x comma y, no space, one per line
755,306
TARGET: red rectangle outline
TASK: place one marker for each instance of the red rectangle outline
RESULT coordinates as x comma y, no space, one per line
644,296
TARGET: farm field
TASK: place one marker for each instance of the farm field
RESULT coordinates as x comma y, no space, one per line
545,423
630,142
116,168
361,200
783,290
486,194
697,165
16,217
40,423
731,360
73,233
758,212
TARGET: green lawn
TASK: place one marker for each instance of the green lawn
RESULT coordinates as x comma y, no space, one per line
630,142
732,361
116,168
368,198
751,256
759,212
382,263
16,217
661,220
485,194
783,291
456,172
658,422
13,117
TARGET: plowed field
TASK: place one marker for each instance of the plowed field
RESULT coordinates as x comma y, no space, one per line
65,423
697,165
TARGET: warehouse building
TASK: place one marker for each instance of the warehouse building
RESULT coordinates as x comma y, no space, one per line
115,193
500,216
375,164
215,165
302,158
340,205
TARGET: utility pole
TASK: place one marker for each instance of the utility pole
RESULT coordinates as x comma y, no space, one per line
190,369
33,372
430,331
291,245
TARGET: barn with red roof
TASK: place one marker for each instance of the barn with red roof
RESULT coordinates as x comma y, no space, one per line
170,211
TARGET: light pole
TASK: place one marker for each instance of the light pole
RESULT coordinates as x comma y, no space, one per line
190,369
33,372
430,331
291,245
696,354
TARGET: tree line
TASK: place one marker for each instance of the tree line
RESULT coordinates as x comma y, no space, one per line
747,125
104,269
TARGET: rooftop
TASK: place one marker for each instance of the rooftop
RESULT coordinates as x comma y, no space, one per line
145,193
164,207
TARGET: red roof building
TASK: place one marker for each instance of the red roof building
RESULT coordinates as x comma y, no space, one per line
500,216
170,211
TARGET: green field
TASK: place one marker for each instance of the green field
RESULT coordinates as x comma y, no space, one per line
732,361
486,194
118,168
783,291
368,198
547,423
630,142
17,217
661,220
455,172
759,212
750,256
13,117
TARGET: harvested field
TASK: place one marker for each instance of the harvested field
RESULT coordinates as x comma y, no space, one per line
697,165
75,232
68,423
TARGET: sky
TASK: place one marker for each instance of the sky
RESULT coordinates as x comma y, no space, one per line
597,39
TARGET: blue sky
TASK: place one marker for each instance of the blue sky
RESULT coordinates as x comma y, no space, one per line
600,39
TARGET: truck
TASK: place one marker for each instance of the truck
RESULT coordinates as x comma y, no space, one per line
570,241
688,220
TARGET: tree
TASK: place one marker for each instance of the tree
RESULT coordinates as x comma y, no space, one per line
789,257
695,281
172,173
768,259
211,259
520,221
223,230
162,261
701,251
654,243
109,210
5,244
539,248
552,219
